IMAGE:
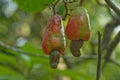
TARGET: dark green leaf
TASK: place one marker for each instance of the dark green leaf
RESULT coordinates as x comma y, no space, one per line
33,5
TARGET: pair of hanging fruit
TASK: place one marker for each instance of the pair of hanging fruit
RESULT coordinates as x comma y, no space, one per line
54,42
78,29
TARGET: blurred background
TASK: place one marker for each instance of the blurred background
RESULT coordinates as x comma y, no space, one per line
22,25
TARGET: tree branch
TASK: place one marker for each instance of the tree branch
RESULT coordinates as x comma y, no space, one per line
115,62
112,45
54,5
11,67
70,63
112,61
66,58
2,50
110,49
113,6
99,57
107,7
108,31
19,51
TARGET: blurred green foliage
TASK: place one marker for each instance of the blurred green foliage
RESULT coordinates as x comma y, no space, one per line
39,5
22,25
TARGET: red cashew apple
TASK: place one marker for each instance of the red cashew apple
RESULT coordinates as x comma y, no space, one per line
53,42
78,29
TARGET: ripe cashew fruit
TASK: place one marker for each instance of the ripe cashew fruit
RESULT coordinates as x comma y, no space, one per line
78,29
53,40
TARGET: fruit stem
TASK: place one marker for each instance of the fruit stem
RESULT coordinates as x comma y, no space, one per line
81,2
53,7
66,8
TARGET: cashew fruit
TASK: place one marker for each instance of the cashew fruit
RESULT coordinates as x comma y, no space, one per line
78,29
53,42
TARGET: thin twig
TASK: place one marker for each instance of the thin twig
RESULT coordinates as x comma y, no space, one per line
85,57
99,57
54,5
66,9
81,2
70,63
113,6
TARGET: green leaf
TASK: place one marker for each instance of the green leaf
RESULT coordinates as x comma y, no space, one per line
31,49
73,75
33,5
111,72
